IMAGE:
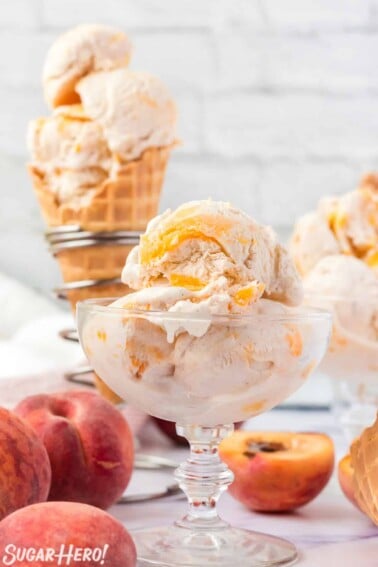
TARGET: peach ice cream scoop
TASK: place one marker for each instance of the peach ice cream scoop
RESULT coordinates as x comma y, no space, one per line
335,248
70,152
79,51
349,289
68,139
345,278
206,243
312,240
99,160
135,110
347,225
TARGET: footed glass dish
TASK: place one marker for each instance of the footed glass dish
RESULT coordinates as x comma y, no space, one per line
204,373
351,361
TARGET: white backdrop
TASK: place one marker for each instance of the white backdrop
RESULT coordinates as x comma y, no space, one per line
278,102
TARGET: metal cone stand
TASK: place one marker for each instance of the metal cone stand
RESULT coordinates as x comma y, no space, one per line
69,237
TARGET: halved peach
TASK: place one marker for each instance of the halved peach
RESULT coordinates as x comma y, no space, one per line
277,471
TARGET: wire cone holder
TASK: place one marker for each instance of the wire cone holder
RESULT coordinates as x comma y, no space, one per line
91,264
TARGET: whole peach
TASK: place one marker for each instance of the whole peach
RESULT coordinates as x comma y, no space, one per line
89,444
76,533
277,471
25,472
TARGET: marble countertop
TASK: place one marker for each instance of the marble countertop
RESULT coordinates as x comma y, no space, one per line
329,531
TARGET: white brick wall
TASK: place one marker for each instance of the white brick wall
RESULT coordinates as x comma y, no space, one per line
278,102
275,125
304,15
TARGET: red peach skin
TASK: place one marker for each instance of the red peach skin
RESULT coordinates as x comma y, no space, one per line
25,472
52,524
89,444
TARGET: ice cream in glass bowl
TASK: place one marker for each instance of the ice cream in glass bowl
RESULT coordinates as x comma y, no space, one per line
335,249
213,334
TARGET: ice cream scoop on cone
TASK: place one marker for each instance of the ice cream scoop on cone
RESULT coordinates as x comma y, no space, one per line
364,455
99,160
341,225
81,50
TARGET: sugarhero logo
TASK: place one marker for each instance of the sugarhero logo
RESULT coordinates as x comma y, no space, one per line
64,555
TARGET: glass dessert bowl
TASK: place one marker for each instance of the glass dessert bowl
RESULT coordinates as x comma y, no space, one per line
204,372
351,361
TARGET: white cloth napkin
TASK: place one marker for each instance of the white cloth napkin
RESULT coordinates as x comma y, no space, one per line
31,351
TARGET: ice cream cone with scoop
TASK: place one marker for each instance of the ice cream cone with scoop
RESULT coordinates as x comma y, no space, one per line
98,161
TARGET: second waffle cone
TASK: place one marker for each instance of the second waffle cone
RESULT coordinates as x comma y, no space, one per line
97,262
364,455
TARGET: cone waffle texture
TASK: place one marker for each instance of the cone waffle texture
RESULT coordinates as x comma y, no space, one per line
96,292
125,202
100,262
364,455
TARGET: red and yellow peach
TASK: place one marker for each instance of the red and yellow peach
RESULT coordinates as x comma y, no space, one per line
277,471
87,535
25,472
88,442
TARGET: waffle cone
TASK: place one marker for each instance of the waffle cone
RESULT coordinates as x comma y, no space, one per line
93,262
100,262
125,202
96,292
364,456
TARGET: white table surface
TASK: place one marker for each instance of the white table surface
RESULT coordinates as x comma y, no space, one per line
328,532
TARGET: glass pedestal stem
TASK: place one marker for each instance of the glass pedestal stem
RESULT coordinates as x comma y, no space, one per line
203,477
201,538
